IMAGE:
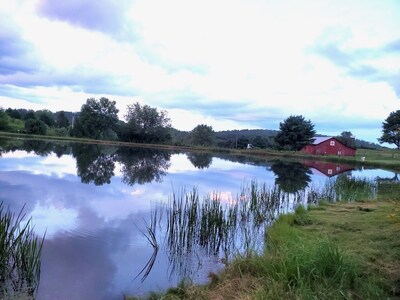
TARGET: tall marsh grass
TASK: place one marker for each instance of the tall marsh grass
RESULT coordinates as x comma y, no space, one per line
213,226
20,255
344,188
289,264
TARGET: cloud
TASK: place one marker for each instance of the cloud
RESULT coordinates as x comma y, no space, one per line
106,16
234,64
354,62
16,55
371,64
393,47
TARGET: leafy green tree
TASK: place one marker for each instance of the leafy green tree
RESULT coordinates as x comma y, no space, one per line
242,142
33,126
77,129
97,119
260,142
391,129
145,124
202,135
46,117
61,119
14,113
294,133
30,114
5,121
347,138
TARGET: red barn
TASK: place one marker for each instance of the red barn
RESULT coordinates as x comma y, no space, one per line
329,146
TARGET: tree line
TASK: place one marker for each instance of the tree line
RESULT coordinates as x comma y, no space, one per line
98,119
96,163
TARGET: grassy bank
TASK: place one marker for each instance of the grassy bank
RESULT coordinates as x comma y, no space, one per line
345,250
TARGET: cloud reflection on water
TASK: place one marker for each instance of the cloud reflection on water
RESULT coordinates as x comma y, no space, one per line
93,248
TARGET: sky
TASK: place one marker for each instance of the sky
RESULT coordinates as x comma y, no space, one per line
230,64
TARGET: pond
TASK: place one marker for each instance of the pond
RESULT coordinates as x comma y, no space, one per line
125,221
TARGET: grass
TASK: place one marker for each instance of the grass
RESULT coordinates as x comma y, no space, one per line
219,228
20,255
150,235
348,248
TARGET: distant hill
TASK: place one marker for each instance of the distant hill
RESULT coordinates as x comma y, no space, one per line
359,144
367,145
261,138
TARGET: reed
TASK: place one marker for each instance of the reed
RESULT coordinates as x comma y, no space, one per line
208,225
151,237
20,254
219,227
344,188
294,262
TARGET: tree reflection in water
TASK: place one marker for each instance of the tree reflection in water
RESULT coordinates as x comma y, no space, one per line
142,165
39,147
94,163
200,160
291,176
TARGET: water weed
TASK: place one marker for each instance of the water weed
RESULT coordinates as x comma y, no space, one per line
20,254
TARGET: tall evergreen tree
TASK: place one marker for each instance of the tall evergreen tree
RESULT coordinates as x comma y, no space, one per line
294,133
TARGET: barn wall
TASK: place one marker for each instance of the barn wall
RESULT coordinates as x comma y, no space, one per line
325,148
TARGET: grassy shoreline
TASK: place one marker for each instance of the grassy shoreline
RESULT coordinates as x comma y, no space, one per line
387,159
345,250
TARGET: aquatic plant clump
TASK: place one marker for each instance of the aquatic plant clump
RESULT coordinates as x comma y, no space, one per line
221,227
20,255
344,188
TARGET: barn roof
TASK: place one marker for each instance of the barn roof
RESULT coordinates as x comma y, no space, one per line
320,139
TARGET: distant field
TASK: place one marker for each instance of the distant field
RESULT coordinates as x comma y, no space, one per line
379,155
386,158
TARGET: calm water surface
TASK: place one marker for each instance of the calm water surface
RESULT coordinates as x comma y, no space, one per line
95,204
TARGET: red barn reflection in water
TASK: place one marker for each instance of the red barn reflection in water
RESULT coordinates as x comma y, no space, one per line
329,169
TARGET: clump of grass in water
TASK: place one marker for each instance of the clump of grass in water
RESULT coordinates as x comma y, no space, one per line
20,255
215,227
355,189
344,188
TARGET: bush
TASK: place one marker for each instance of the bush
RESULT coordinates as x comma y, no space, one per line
33,126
